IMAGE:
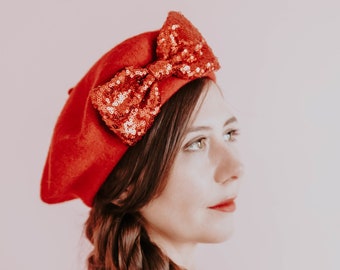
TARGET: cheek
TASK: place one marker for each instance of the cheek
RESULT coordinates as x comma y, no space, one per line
188,188
190,183
183,201
180,199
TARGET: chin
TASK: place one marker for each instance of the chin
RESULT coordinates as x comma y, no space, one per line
218,234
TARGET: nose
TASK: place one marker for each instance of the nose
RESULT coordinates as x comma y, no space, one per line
228,166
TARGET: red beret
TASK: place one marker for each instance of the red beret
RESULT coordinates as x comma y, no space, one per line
115,103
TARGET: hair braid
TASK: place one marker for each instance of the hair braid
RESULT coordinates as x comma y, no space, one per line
127,246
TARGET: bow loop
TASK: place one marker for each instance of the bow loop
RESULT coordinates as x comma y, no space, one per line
134,100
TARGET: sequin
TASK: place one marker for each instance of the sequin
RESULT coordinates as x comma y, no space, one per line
129,102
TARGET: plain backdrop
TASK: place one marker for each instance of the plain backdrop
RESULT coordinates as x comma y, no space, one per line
280,73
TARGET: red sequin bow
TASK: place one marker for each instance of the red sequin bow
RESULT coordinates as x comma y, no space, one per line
129,102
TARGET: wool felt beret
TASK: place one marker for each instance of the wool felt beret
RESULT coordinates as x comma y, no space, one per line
115,103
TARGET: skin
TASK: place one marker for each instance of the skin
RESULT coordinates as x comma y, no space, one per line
205,172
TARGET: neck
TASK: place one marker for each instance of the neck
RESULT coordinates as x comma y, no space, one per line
181,255
179,252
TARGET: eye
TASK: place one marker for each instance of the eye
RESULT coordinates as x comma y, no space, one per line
196,145
230,135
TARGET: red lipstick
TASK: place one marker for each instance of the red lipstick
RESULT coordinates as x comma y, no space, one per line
225,206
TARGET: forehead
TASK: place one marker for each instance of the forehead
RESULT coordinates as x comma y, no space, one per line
213,107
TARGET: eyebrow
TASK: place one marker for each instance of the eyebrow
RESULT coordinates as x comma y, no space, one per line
199,128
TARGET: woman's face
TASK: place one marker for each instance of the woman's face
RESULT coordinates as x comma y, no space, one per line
197,203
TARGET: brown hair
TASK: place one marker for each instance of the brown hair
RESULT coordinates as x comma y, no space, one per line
115,227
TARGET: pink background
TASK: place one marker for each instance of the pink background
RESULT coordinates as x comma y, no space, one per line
281,66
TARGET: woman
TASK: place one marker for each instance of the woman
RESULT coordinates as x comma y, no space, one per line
146,140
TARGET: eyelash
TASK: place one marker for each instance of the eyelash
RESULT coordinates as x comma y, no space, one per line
202,141
233,133
190,146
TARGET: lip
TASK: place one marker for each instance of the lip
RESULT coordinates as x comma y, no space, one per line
226,206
